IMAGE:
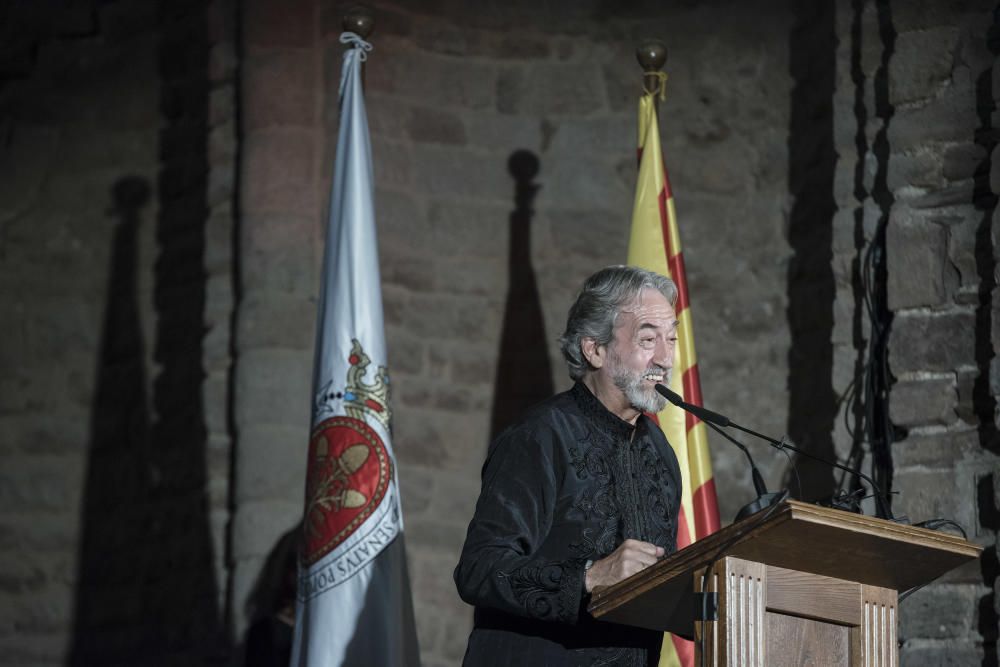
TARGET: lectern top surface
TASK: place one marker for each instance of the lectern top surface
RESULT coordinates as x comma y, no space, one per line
808,538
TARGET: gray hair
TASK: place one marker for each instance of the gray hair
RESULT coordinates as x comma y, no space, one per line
596,309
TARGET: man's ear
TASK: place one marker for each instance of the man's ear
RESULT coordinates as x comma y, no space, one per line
595,354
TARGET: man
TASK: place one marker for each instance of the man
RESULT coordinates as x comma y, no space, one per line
582,492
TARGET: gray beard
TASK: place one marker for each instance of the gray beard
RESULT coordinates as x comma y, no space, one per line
639,397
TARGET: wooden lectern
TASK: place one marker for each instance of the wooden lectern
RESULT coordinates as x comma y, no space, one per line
796,585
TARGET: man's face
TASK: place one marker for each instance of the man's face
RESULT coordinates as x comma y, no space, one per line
641,354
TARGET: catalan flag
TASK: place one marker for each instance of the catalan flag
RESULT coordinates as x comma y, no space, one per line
655,244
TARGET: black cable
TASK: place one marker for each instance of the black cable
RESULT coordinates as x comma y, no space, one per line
931,524
793,466
848,396
874,427
936,524
878,427
907,593
740,445
791,463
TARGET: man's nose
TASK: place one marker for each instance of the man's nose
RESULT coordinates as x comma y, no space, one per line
665,354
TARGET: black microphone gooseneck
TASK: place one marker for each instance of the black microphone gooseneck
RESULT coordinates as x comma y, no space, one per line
764,499
882,510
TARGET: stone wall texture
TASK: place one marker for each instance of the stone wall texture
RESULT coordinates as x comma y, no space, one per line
915,112
117,173
164,175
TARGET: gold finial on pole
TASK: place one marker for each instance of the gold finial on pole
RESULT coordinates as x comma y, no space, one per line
359,19
652,56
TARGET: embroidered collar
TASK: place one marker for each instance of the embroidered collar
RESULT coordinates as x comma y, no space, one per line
607,421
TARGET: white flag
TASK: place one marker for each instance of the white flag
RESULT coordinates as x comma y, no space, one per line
354,605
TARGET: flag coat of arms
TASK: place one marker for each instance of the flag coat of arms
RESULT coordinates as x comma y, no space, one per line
654,244
354,605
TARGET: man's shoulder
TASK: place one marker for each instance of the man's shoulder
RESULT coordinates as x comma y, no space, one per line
554,409
544,421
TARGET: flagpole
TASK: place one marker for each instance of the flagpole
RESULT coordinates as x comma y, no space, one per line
652,56
359,19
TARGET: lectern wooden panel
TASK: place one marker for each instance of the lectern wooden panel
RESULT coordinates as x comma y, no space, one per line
799,585
774,616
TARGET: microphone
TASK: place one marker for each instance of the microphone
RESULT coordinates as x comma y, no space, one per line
882,510
698,411
764,499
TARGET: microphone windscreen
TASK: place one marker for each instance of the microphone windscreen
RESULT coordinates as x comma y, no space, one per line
669,395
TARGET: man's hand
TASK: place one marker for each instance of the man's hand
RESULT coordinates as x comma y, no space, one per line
630,557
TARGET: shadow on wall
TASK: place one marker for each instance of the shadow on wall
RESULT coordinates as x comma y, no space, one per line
146,591
983,401
524,374
812,402
271,605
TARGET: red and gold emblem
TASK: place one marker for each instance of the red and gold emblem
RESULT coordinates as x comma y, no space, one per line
349,466
349,473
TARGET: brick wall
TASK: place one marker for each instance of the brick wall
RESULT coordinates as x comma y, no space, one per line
150,332
117,174
915,135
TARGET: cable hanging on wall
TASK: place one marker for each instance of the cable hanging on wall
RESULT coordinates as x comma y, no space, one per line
867,397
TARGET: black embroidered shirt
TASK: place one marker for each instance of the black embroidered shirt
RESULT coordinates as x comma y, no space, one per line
568,483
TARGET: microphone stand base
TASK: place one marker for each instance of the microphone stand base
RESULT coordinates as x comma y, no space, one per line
762,502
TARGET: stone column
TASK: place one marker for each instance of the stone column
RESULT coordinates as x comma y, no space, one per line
278,238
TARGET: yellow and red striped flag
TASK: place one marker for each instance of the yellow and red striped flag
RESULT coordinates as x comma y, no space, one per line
655,244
